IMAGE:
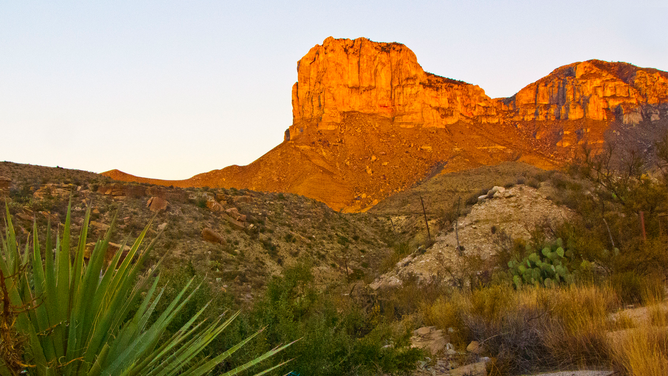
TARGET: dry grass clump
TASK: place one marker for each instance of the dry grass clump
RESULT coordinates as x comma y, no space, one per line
448,314
577,331
642,351
569,327
530,329
623,321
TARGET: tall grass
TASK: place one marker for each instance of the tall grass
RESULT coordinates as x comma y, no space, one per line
643,350
530,329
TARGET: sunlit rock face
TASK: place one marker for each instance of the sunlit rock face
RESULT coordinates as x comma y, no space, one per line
368,122
385,79
593,89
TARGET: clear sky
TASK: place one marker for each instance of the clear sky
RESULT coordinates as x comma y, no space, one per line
169,89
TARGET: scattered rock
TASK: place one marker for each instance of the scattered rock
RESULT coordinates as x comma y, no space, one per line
430,339
99,226
156,204
162,226
578,373
118,189
474,347
211,236
474,369
245,198
25,216
214,205
52,190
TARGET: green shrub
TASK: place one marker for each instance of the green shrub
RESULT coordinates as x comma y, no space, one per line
65,316
547,267
337,337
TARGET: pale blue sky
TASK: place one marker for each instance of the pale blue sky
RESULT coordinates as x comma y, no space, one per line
169,89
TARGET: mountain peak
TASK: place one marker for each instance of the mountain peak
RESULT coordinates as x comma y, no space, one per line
368,122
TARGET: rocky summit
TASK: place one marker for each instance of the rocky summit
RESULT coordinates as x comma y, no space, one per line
368,122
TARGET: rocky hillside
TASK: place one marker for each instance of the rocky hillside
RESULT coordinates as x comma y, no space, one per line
369,122
238,238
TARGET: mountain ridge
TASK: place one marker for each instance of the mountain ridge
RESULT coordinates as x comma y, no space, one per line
368,122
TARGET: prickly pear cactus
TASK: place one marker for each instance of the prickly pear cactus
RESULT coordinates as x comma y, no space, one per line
542,268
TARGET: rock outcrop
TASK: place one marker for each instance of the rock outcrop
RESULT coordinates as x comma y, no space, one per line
385,79
593,89
368,122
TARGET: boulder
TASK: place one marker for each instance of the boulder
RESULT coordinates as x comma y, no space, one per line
156,204
429,338
214,205
5,183
211,236
473,369
474,347
238,224
244,198
234,214
111,252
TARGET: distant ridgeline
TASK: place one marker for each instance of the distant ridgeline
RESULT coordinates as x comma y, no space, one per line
368,121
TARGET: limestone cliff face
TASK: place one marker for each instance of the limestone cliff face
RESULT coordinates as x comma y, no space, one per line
595,90
385,79
368,122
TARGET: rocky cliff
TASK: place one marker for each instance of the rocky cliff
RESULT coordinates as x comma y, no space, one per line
368,121
594,89
385,79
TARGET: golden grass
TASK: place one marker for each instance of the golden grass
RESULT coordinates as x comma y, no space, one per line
642,351
622,321
448,315
573,323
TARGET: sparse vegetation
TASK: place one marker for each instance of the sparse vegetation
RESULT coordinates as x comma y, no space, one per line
561,311
64,316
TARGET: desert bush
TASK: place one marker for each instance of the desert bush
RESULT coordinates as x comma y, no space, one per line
635,288
337,337
399,251
448,315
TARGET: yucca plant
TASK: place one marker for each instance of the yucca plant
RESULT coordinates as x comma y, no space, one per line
62,315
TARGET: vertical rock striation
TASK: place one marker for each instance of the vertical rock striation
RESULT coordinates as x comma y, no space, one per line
368,121
593,89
